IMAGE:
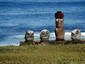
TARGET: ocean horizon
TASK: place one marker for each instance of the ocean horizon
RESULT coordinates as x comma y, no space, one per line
18,17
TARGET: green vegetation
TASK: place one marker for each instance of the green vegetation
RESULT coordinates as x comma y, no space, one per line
43,54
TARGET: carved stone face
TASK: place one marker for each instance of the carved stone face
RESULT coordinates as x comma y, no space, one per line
44,35
76,35
59,22
29,36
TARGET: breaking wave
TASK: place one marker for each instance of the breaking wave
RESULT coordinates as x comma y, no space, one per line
52,36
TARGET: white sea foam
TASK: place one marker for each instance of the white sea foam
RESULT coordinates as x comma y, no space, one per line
18,36
52,36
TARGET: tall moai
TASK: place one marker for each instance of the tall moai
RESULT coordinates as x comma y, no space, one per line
59,30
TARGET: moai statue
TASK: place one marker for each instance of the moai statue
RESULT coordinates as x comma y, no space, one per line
59,30
29,36
76,35
44,35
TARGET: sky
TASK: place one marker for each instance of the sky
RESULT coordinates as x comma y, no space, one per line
42,0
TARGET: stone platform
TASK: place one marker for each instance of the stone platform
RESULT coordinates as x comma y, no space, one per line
37,42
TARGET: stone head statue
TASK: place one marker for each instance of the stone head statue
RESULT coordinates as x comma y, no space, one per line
76,34
59,16
44,35
59,30
29,36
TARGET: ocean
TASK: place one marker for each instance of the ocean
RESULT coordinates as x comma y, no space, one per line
18,17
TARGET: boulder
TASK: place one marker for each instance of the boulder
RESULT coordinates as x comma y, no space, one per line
76,35
29,36
44,35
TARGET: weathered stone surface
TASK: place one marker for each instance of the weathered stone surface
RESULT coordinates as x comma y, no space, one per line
76,35
29,36
59,30
59,23
59,14
44,35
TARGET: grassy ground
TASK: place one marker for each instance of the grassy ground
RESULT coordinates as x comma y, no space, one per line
43,54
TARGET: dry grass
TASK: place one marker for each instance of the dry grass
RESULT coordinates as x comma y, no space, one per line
47,54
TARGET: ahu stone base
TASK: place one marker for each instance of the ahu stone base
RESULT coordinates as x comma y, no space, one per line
53,42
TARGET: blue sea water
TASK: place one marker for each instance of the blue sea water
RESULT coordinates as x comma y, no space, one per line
18,17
